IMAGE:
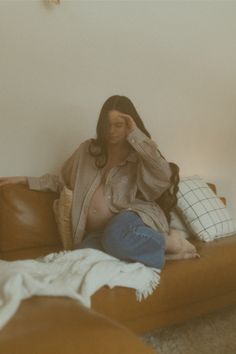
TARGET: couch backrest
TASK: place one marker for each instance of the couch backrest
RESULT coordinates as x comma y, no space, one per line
26,218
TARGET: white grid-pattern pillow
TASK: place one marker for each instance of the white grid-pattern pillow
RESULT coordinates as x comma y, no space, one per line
203,212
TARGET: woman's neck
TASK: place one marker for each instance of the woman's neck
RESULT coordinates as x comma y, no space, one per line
118,152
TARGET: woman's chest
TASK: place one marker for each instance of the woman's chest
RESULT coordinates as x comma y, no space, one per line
120,184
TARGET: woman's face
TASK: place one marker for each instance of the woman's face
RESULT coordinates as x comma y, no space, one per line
117,128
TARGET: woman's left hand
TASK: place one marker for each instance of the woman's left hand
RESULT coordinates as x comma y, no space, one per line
131,125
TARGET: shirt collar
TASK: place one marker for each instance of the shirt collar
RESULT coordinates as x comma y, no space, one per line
132,156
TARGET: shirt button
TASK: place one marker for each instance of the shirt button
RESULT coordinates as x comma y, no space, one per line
109,197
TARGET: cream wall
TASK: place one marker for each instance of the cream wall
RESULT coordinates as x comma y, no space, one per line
174,59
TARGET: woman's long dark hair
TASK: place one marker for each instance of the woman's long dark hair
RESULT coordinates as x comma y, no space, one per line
98,146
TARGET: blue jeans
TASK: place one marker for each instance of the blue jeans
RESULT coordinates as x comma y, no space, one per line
126,237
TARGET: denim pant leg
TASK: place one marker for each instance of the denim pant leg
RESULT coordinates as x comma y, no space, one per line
128,238
92,240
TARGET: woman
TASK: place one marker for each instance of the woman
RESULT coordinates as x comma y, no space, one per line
117,179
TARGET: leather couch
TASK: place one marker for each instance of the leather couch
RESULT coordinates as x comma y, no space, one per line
188,288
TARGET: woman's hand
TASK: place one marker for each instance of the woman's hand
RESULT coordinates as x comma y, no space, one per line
13,180
131,125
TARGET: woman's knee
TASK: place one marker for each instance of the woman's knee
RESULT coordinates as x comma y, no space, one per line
115,235
123,220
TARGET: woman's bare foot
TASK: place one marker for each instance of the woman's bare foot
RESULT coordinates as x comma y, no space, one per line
177,247
181,255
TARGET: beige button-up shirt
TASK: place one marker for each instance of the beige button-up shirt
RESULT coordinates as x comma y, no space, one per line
133,185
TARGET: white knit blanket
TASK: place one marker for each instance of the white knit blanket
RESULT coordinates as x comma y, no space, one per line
77,274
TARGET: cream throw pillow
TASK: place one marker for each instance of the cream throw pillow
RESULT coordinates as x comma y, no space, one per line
62,211
177,224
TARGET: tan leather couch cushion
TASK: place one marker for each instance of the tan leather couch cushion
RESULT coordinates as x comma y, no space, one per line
26,218
199,285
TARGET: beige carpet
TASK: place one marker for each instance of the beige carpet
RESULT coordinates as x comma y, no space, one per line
211,334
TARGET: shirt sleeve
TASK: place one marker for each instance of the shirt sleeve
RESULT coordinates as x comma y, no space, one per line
47,182
154,171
